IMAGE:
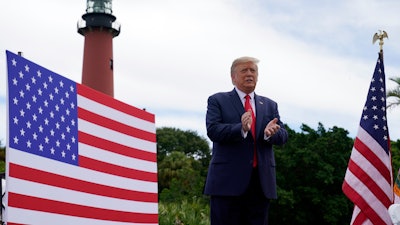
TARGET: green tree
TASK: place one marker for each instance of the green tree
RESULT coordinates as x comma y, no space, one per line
183,158
394,93
310,172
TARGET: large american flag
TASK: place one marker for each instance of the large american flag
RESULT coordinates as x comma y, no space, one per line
368,182
75,155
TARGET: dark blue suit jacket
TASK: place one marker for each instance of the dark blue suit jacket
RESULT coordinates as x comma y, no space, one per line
232,155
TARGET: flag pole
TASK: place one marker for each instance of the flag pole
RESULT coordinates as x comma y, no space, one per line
382,34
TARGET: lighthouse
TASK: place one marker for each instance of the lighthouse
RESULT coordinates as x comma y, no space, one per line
99,27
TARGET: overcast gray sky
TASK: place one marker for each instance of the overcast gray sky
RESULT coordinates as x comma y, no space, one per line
316,57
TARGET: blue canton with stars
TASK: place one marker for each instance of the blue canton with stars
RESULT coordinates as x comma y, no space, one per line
42,111
374,113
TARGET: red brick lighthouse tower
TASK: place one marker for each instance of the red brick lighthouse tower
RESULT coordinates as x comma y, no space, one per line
98,26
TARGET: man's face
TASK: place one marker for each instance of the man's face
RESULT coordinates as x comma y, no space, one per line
245,77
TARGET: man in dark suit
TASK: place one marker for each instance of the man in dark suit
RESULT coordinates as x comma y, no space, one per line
241,177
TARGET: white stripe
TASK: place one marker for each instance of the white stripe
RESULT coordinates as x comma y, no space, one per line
368,196
116,137
80,198
24,216
116,159
65,169
109,112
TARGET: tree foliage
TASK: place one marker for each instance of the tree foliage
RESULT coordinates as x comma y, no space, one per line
310,172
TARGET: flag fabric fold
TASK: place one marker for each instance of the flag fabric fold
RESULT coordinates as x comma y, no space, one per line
368,181
75,155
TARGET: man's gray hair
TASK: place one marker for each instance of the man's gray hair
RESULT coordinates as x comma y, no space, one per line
241,60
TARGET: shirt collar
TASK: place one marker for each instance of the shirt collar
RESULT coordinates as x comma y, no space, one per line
242,94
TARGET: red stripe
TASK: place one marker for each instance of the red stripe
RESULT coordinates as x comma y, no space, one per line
116,170
362,204
113,103
115,147
63,208
360,219
115,125
369,182
364,150
8,223
60,181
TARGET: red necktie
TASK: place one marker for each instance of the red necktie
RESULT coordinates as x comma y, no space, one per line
247,106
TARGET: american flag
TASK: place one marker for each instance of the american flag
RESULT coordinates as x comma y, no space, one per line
368,182
74,155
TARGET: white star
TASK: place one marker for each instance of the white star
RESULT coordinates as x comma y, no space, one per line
34,99
50,79
73,157
28,105
14,63
46,140
26,68
376,127
21,94
46,121
40,110
52,150
27,87
71,88
15,120
63,154
21,75
15,140
28,144
35,136
15,100
41,147
22,132
22,113
39,74
15,82
33,80
40,92
41,129
61,84
28,124
52,132
45,85
56,90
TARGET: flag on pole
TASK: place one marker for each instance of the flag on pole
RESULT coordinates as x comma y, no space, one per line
368,181
75,155
396,188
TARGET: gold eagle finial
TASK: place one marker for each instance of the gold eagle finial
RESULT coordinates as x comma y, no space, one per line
382,34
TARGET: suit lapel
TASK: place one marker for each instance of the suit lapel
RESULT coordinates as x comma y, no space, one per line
237,103
260,110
